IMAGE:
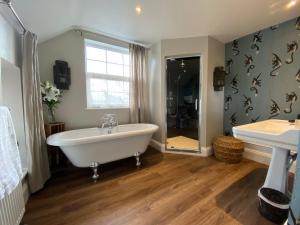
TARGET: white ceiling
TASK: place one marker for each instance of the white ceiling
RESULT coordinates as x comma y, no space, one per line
224,20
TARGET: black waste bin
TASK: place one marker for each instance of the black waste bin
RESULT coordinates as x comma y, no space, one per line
274,205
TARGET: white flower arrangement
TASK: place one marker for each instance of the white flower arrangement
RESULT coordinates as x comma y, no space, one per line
50,97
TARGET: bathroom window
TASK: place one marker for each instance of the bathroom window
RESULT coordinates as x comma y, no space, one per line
107,75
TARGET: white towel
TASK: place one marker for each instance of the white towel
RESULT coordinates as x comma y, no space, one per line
10,163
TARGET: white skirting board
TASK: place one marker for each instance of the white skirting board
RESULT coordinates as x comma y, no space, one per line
205,151
261,154
257,155
157,145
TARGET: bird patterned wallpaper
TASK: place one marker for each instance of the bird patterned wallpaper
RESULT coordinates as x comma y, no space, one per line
263,76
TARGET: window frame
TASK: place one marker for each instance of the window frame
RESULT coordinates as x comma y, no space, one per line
108,77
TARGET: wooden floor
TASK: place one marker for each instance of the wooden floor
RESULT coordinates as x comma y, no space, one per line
168,189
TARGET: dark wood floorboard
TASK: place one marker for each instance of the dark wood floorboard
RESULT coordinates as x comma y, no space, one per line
167,189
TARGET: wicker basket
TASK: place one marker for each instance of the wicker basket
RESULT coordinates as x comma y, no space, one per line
228,149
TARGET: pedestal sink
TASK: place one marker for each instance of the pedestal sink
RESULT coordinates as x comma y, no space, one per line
282,136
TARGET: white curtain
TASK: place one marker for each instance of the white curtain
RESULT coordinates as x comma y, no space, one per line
138,88
38,166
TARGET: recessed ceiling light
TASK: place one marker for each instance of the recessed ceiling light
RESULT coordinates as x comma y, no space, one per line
291,3
138,9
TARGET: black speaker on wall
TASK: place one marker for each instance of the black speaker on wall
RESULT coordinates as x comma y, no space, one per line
219,78
62,75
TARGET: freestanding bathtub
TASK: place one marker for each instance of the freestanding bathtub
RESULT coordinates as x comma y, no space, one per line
94,146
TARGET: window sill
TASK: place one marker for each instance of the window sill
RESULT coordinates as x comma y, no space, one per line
117,108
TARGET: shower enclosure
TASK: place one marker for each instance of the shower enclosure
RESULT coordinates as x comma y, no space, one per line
182,83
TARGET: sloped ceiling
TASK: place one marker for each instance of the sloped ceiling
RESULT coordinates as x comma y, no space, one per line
224,20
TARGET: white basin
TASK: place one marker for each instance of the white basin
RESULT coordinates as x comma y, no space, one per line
282,136
275,133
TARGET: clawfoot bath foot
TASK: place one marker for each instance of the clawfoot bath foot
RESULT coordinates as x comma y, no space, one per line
137,158
94,166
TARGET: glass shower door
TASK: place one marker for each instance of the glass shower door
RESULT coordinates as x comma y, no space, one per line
183,104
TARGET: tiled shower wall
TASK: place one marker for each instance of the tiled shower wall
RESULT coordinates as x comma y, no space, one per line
263,76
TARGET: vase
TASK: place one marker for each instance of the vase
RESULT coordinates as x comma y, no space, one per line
51,115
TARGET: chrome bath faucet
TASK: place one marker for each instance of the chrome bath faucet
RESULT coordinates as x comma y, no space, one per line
109,121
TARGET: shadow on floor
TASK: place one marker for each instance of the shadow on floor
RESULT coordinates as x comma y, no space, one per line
107,171
240,200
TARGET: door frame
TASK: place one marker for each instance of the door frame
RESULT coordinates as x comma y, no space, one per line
164,93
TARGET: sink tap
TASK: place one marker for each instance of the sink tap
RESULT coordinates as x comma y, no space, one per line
103,125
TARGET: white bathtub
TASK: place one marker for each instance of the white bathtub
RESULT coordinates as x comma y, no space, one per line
85,147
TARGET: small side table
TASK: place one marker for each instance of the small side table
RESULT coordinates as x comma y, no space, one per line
53,128
57,159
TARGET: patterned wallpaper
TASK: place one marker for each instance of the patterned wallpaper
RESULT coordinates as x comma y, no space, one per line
263,76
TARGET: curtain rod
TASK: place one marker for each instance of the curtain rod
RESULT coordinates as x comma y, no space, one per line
9,5
93,31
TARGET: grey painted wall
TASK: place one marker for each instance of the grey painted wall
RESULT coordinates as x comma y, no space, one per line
70,47
215,103
10,39
263,86
11,51
186,47
155,90
212,54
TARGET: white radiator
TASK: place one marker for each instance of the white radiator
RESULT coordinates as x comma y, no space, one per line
12,207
